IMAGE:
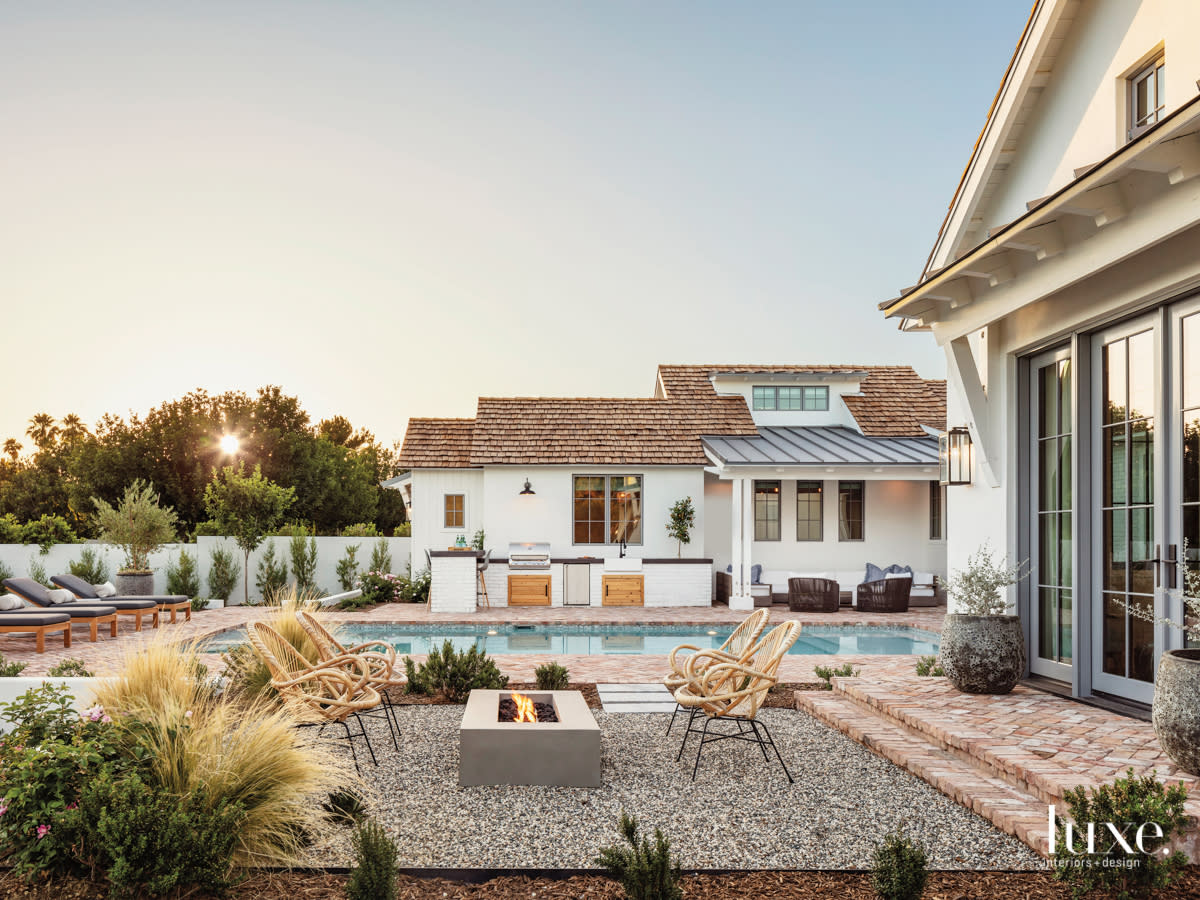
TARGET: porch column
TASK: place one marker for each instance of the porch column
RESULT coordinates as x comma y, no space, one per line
742,537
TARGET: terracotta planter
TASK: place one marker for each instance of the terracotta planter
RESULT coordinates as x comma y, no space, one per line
1177,708
134,584
982,654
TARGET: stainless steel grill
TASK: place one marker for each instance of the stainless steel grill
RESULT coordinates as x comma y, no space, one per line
529,557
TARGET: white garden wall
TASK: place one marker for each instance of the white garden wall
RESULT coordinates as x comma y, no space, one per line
329,551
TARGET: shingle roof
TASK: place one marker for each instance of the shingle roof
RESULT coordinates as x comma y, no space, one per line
895,401
554,430
437,444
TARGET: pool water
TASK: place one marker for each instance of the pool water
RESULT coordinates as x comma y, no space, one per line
620,640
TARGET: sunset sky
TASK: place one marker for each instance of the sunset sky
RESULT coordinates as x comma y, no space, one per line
391,208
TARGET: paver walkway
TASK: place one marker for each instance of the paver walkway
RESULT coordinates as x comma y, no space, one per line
635,698
1006,757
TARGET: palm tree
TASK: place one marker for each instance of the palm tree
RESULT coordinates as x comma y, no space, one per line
73,429
42,430
12,447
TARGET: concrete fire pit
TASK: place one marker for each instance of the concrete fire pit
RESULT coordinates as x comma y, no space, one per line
565,753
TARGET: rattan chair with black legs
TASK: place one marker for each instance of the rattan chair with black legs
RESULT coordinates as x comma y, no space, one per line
814,595
887,596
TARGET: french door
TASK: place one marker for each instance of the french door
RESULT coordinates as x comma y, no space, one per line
1145,490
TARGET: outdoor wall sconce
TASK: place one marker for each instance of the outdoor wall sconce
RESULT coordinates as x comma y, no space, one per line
954,456
528,489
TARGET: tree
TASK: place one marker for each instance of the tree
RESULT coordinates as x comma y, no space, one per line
139,525
246,507
683,520
42,430
12,448
72,430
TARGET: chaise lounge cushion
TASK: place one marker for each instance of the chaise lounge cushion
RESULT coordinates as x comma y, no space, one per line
30,590
34,618
85,591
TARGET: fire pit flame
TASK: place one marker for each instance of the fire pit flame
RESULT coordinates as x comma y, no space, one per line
525,708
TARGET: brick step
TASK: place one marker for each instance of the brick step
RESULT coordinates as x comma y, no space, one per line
1010,808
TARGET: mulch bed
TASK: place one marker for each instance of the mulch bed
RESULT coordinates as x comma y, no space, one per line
737,886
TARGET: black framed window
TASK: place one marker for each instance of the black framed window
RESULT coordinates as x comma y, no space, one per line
937,511
1147,97
810,508
607,509
851,510
766,510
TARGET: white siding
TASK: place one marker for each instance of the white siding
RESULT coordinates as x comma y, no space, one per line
429,487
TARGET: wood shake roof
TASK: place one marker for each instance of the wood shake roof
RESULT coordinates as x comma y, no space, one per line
664,430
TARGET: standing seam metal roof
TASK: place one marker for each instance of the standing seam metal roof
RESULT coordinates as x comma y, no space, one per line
821,445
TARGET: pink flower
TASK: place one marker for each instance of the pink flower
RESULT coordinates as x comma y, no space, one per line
188,714
95,714
106,720
3,809
72,806
42,831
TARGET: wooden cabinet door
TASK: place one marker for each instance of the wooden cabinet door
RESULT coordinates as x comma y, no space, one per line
528,590
622,590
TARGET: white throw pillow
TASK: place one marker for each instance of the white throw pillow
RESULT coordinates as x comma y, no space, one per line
105,590
897,575
11,601
61,596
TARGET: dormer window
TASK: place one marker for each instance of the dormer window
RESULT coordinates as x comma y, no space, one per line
807,398
1147,97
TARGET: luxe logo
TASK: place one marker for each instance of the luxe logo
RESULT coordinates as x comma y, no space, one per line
1089,837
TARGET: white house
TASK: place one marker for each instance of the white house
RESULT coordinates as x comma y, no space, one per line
792,468
1063,287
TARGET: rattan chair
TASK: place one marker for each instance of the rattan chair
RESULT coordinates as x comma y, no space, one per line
734,691
742,639
328,693
887,596
814,595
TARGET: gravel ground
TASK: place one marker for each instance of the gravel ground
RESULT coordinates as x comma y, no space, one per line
739,813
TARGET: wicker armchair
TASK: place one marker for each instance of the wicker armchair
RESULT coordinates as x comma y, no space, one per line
813,595
887,596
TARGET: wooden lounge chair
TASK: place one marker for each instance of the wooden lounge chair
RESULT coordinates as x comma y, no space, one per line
734,691
171,603
37,622
328,693
742,639
91,614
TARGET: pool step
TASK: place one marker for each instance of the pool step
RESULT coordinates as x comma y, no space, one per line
635,698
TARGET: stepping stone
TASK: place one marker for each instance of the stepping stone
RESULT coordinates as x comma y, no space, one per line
639,707
635,698
632,688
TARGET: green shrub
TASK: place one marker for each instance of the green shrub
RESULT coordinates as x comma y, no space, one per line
90,566
379,587
452,675
49,756
373,876
361,529
898,869
48,531
6,571
646,871
347,806
71,668
183,577
271,577
1130,805
149,842
199,604
37,571
415,588
347,568
404,529
224,572
13,669
551,677
11,530
304,562
138,525
381,557
478,539
927,666
827,674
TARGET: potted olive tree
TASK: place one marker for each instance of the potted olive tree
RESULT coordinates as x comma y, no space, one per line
139,526
983,647
1176,712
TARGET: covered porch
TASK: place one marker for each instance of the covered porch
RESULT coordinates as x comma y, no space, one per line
820,501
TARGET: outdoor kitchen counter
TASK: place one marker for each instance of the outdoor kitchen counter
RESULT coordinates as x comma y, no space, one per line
667,582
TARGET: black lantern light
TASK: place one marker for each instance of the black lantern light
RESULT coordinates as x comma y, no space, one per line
528,489
954,456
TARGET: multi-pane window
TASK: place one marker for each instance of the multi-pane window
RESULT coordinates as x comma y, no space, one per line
937,511
809,509
453,510
607,509
850,510
807,398
766,510
1147,97
1054,429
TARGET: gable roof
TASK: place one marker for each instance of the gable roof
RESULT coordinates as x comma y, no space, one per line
893,401
663,430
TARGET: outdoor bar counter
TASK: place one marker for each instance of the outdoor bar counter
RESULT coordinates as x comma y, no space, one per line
648,582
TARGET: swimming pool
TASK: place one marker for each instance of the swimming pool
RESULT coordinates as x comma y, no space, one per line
620,640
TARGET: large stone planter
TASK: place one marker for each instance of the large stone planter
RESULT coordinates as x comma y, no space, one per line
1177,708
134,584
982,654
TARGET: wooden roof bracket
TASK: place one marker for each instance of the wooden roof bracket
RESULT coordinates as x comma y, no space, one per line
964,371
